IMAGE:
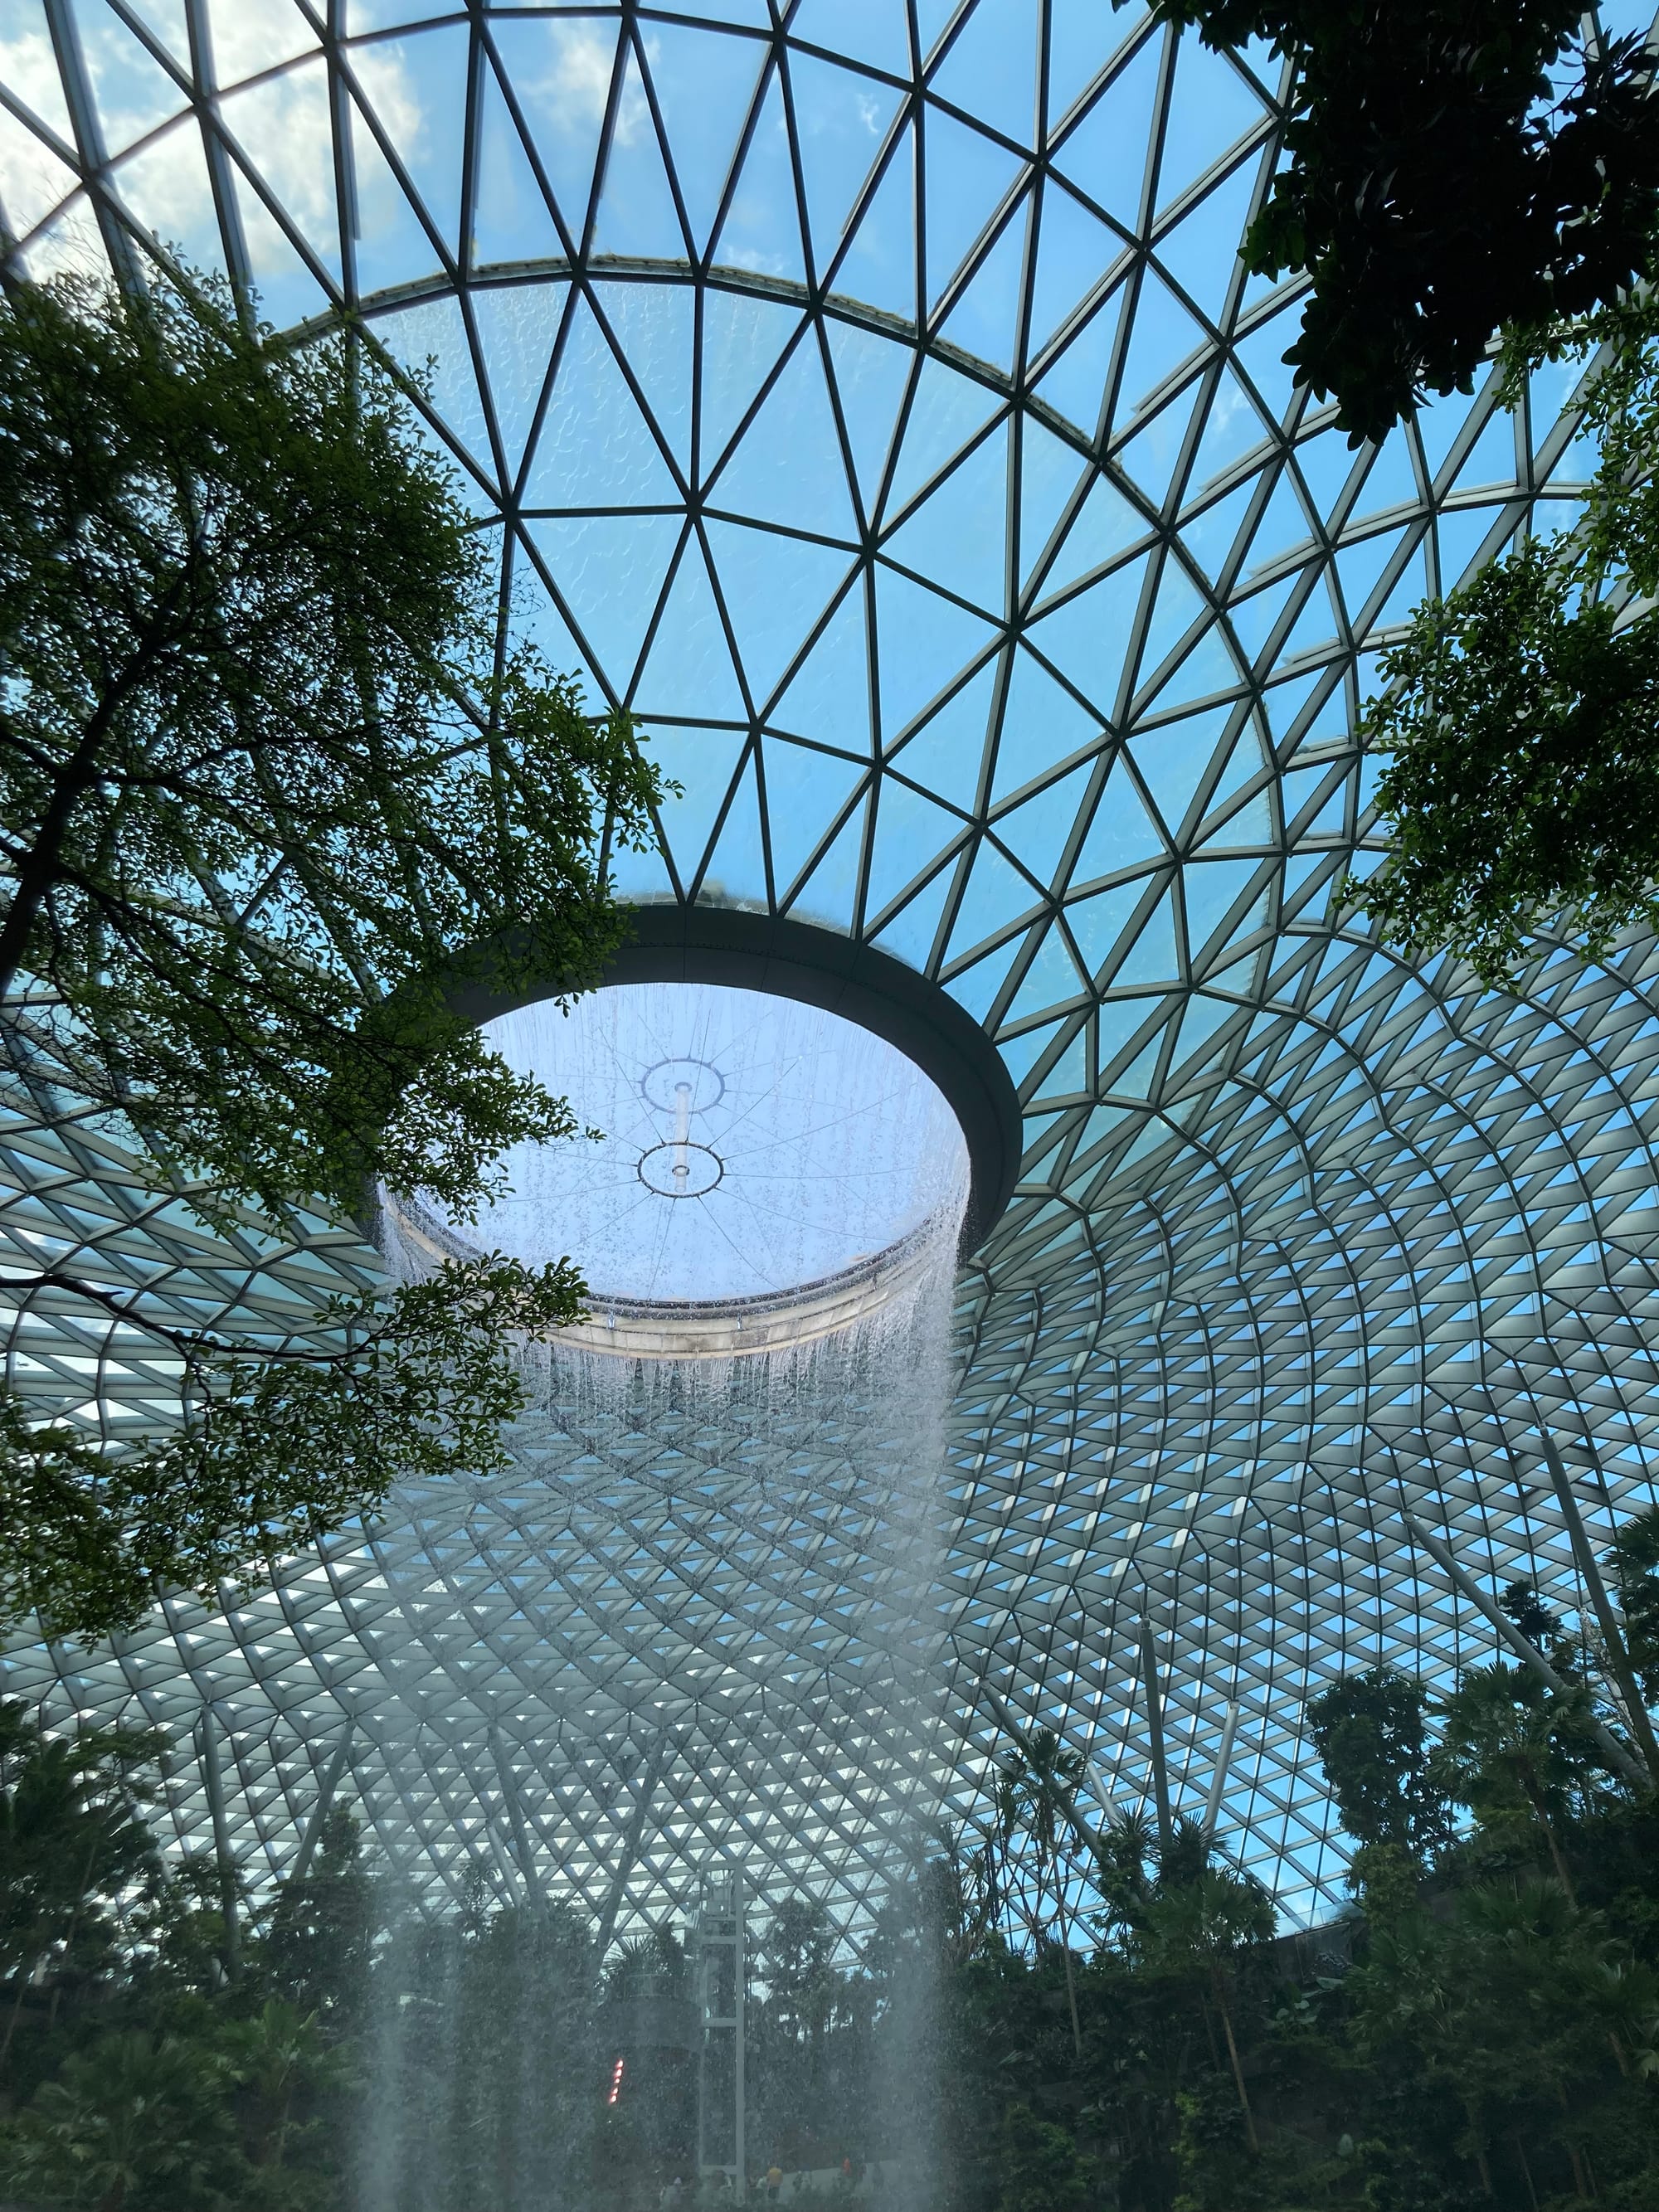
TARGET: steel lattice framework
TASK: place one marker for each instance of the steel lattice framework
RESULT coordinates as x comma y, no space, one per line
868,393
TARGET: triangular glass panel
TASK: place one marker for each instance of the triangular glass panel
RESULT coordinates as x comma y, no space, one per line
1179,604
805,793
705,85
985,320
1074,382
977,988
1152,958
286,289
829,698
1051,980
1212,536
762,230
642,878
944,754
595,448
924,641
1042,725
636,212
1085,639
872,375
878,263
653,324
1122,834
702,762
968,178
1211,108
688,666
1210,889
1050,471
517,326
843,120
431,341
869,31
830,897
1410,590
1175,761
1081,41
1203,1017
1099,923
913,932
742,337
1107,524
610,569
775,587
911,832
539,621
1261,358
1163,336
990,71
949,409
1075,250
165,186
958,538
434,80
1491,459
735,871
511,219
1201,252
1232,428
1135,1080
997,894
1316,629
1151,456
560,74
131,91
1105,153
788,462
1284,527
1037,831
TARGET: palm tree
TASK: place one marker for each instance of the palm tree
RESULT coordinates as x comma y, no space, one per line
128,2113
1195,1929
1046,1774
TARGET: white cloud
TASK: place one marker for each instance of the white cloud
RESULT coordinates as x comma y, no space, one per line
576,86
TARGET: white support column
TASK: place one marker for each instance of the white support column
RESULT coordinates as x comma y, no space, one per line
207,1737
1218,1779
320,1810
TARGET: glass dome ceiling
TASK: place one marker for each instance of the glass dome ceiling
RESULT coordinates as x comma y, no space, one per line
871,399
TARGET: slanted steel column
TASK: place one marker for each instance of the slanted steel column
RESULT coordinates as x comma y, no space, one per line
207,1738
1218,1779
523,1850
1617,1658
1617,1754
631,1840
1155,1732
320,1810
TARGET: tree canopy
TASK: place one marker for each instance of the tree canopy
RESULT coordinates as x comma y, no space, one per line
278,780
1454,167
1519,727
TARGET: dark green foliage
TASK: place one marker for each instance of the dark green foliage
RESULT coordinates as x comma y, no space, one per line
1437,190
279,1446
1518,728
266,784
274,784
1635,1564
1041,2170
1370,1732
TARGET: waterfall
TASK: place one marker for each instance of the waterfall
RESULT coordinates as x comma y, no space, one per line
723,1525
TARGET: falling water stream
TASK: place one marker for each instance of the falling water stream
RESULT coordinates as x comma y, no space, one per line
745,1439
